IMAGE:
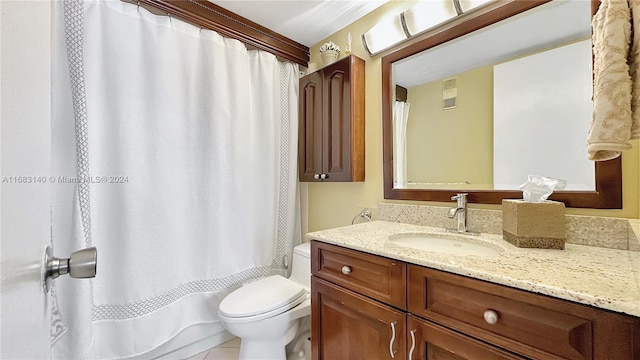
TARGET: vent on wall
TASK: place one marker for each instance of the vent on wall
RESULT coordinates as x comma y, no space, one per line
449,94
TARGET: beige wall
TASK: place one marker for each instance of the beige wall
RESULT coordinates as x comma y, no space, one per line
335,204
469,124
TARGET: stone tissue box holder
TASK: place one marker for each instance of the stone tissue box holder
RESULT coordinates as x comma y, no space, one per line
534,225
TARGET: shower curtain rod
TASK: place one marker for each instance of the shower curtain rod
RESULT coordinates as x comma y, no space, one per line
207,15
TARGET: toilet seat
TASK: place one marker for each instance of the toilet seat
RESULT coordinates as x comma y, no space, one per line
262,299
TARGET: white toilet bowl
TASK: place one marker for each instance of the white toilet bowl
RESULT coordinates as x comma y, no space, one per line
265,314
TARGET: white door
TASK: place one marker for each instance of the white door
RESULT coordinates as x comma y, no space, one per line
25,103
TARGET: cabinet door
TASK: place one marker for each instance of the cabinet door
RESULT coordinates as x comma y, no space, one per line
427,340
343,89
337,128
346,325
310,127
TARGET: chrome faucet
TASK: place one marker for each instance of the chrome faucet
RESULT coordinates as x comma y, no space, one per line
461,211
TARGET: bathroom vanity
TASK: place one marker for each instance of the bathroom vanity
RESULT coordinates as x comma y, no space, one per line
373,298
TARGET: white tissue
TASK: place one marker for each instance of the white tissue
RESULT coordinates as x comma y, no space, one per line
538,188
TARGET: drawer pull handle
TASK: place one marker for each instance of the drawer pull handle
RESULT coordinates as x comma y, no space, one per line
491,317
346,270
413,343
393,339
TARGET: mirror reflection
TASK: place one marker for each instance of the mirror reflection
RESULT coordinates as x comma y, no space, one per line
487,109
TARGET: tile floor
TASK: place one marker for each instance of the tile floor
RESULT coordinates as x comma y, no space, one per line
227,351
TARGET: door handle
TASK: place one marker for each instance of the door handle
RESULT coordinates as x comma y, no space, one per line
413,343
393,339
82,264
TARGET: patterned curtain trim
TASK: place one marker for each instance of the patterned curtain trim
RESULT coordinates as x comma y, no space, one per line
74,34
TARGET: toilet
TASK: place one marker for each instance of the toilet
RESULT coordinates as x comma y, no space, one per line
269,313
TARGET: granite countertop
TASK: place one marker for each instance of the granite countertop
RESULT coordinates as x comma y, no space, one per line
604,278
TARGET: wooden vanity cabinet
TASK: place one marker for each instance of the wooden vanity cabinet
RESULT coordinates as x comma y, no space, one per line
331,126
534,326
355,297
358,304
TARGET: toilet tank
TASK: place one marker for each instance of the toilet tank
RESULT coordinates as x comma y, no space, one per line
301,265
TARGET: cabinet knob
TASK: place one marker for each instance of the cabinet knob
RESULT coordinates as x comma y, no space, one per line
346,270
323,176
491,316
316,176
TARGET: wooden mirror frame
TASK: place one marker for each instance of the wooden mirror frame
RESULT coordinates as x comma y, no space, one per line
608,192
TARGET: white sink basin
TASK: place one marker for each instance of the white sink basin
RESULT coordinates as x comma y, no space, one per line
445,243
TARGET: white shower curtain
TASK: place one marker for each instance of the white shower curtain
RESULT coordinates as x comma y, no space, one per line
185,144
400,120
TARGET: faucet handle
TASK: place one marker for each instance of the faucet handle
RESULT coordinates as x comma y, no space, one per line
459,196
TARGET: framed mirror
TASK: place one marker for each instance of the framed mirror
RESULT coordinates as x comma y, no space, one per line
500,93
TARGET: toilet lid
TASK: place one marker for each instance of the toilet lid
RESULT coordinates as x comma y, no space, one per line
262,296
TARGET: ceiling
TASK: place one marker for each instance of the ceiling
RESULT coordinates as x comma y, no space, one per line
305,21
553,24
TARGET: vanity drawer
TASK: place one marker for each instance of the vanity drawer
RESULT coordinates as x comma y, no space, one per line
533,325
375,276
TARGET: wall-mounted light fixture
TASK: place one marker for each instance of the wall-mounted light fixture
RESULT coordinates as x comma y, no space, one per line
386,33
426,15
420,18
468,5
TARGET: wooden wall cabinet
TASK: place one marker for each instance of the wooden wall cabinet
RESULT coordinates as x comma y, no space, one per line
365,306
331,127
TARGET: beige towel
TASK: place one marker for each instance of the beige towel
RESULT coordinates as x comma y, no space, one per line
634,67
611,122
